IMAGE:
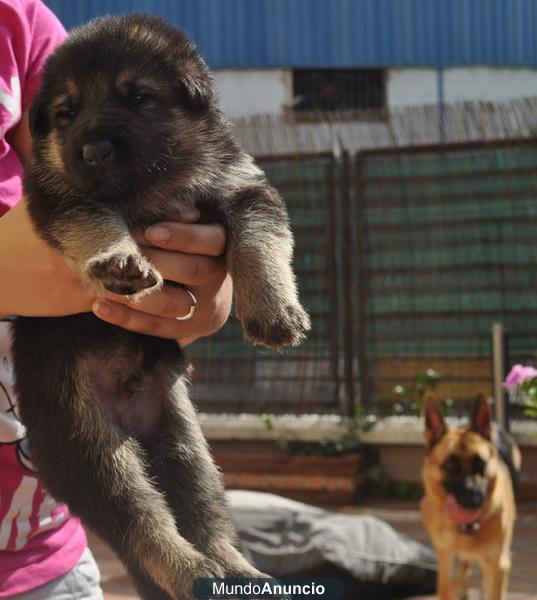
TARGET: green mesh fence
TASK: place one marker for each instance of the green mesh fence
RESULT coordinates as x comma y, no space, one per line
405,258
446,240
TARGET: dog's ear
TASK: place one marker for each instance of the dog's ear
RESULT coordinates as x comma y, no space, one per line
196,80
481,420
37,116
435,427
198,92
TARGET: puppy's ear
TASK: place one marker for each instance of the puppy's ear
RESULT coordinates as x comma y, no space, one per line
481,420
435,428
196,80
37,117
198,92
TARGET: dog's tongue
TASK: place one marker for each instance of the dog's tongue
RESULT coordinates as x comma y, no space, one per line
461,516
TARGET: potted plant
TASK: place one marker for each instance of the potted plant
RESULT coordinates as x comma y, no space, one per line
328,471
409,398
521,382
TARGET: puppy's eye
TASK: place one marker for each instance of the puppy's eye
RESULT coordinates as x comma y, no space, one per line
66,114
143,99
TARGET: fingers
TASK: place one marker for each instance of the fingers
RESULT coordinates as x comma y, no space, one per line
137,321
208,240
187,269
170,302
186,253
214,305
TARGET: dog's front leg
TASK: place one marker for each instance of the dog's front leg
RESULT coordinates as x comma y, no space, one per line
495,573
444,579
102,250
260,253
461,581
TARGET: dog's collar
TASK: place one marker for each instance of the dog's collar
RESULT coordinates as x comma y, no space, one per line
470,528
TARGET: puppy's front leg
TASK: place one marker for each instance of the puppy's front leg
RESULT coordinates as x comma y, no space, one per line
102,250
260,254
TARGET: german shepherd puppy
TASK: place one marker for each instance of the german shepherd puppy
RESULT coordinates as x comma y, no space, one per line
469,508
127,131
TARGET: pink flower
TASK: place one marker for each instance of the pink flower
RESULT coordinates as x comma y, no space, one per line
517,375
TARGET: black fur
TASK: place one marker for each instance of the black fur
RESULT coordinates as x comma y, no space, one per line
126,132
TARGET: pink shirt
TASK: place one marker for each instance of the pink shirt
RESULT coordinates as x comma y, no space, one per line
39,540
29,32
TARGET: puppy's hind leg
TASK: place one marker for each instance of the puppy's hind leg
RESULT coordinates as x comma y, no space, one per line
102,473
146,587
181,463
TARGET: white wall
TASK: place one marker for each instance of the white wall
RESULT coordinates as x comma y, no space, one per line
247,92
486,83
420,86
405,87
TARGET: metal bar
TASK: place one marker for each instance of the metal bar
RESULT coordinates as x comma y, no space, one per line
292,156
451,147
361,250
331,236
390,181
346,257
441,103
499,350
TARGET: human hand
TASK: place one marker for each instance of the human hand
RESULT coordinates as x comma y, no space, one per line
191,256
38,281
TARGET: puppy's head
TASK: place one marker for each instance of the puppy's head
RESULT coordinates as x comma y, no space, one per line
462,464
125,100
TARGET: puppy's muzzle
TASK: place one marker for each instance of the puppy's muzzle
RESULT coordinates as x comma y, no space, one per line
99,153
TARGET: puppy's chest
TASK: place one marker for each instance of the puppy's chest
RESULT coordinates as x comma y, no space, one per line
139,213
152,208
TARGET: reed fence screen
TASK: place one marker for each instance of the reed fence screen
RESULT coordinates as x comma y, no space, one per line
405,258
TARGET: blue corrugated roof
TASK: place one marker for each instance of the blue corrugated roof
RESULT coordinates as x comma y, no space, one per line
344,33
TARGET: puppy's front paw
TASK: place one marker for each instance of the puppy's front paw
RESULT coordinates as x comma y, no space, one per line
278,330
124,274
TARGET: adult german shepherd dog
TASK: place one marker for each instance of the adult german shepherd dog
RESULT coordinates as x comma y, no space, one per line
469,507
127,131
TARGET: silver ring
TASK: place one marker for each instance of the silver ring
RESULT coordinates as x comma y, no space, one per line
192,308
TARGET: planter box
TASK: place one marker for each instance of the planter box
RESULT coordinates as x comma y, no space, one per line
314,479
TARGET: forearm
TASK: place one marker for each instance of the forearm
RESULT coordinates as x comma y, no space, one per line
36,280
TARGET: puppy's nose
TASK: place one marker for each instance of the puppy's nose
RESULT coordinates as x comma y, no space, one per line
98,152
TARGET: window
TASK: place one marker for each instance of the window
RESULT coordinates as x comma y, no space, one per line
337,89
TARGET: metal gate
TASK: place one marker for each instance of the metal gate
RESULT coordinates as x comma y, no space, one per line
405,257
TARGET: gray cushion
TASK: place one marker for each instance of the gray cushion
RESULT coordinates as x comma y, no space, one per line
283,538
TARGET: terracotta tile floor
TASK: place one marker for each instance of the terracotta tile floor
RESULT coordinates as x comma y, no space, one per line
405,518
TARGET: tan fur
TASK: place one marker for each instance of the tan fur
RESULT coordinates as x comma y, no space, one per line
489,547
54,155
